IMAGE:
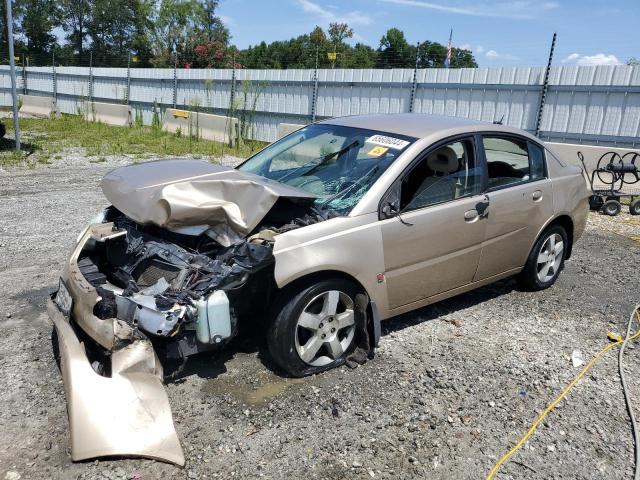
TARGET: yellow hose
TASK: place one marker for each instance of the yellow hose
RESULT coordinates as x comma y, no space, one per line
564,393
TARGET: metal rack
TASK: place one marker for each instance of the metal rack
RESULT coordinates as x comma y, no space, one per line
616,174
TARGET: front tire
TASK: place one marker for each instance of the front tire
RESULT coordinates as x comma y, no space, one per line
313,329
546,260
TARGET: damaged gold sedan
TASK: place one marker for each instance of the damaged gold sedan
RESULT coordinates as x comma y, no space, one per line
313,240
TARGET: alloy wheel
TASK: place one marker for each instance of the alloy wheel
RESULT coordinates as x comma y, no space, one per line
550,258
325,328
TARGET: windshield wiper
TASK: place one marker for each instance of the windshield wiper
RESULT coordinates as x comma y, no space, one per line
318,162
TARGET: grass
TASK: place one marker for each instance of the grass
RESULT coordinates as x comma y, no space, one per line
45,140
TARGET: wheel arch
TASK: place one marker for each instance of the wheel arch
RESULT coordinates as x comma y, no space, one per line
566,222
309,279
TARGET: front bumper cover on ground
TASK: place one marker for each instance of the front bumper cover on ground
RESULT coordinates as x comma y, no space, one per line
127,414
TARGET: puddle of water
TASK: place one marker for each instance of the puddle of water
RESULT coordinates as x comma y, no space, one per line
267,389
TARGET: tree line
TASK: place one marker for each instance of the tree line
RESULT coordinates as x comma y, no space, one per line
189,33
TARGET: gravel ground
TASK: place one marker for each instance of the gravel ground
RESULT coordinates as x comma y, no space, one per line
453,386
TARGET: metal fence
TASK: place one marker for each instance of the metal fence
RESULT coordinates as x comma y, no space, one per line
591,105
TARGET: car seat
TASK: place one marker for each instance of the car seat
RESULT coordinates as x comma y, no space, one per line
440,186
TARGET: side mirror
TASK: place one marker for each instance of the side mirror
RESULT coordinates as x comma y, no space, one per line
389,210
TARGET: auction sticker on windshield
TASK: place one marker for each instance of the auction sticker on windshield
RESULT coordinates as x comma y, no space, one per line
390,142
377,151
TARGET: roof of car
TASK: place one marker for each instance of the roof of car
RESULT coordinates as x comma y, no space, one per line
416,125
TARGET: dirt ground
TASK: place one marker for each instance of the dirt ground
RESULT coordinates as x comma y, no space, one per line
453,386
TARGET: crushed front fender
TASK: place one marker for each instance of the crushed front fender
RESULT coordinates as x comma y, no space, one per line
126,414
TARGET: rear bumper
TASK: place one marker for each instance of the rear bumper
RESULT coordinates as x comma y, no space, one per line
127,414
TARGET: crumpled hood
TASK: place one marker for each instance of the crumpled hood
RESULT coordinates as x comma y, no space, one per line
175,194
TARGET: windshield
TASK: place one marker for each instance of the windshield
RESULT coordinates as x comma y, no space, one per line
338,164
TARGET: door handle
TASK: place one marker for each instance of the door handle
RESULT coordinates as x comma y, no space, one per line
471,215
537,195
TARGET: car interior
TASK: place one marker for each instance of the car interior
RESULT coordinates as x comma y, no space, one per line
507,161
445,174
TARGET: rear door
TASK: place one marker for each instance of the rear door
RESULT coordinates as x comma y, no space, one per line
434,244
520,201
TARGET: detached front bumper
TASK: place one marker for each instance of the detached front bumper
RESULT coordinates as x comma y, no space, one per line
126,414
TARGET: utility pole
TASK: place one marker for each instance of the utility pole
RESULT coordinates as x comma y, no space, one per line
545,87
12,63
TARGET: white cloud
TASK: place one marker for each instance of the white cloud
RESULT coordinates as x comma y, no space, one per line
493,55
328,15
597,59
471,48
491,8
226,20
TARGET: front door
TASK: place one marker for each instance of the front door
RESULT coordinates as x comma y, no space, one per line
520,199
433,236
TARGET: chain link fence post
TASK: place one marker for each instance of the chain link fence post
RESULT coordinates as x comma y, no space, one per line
128,92
233,82
314,93
545,87
414,83
175,83
24,75
90,92
54,80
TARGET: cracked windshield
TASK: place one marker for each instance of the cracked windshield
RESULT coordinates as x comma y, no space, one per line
338,164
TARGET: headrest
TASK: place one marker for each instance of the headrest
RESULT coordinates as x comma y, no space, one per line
443,160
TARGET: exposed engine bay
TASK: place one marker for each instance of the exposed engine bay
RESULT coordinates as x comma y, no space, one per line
184,292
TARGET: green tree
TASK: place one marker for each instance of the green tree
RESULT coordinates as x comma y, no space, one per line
360,56
394,50
182,25
213,26
116,27
75,16
433,55
318,38
633,61
338,32
36,20
461,58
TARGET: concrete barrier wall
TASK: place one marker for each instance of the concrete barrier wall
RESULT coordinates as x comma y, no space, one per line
285,129
204,125
38,106
108,113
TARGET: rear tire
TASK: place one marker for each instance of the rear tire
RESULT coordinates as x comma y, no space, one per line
611,208
313,330
546,260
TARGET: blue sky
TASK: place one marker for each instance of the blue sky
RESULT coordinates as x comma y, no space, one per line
499,32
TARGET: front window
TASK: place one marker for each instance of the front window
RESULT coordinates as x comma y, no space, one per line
445,174
338,164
